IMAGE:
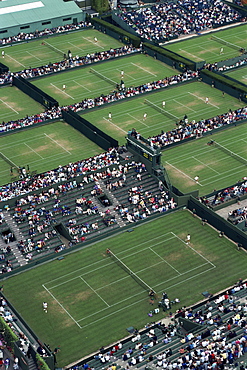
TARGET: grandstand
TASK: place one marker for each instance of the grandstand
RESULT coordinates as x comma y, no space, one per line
123,198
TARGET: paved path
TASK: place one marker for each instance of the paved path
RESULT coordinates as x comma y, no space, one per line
223,212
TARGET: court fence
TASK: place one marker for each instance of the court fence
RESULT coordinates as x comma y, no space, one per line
34,92
225,83
219,223
89,130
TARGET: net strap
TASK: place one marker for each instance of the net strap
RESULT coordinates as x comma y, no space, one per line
161,110
130,272
229,152
103,77
221,41
7,160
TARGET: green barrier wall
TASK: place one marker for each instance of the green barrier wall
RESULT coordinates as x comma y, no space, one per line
169,57
35,93
90,131
217,222
115,32
3,68
225,83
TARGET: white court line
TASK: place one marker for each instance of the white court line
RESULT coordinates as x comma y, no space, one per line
74,45
61,306
204,164
198,97
57,143
178,102
126,74
223,176
16,61
188,245
7,146
136,65
130,298
33,151
34,56
183,173
119,128
203,151
62,91
82,86
9,106
136,119
136,302
157,254
93,42
187,52
107,265
94,291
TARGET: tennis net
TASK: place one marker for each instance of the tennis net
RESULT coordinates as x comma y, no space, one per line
161,110
103,77
7,160
130,272
53,48
223,42
229,152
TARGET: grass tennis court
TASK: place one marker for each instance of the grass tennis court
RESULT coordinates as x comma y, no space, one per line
85,83
92,300
14,104
49,50
44,148
184,99
216,168
239,74
205,48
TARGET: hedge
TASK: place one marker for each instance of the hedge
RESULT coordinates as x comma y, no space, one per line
9,336
41,364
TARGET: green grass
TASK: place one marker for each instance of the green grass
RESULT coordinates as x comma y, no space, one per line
83,83
204,48
44,148
92,300
38,53
14,104
215,168
239,74
180,100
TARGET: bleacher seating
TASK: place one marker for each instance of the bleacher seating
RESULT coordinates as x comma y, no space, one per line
218,337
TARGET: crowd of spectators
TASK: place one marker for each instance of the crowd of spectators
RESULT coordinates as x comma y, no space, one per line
186,129
238,215
56,112
215,68
68,63
166,20
219,342
21,37
62,173
222,196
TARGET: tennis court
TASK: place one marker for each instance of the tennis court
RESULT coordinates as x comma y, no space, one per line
92,81
239,74
216,166
108,287
48,50
214,46
14,104
89,295
184,99
43,148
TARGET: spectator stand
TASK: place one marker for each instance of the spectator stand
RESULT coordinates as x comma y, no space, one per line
215,326
28,344
81,206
